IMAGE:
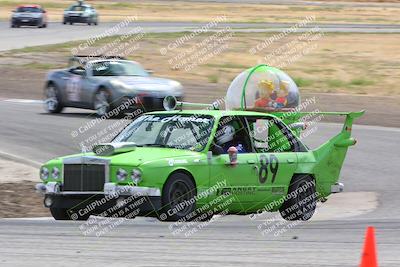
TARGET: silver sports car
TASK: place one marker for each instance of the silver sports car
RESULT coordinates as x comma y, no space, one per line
105,84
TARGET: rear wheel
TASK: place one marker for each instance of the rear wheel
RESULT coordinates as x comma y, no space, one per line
301,201
52,101
102,102
178,197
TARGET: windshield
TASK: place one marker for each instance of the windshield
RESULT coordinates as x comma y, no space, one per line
175,131
77,8
118,68
29,9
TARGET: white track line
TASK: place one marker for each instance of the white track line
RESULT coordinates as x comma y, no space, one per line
20,159
24,101
30,219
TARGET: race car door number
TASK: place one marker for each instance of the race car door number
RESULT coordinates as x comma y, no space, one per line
74,88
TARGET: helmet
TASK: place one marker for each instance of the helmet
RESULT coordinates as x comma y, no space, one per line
225,134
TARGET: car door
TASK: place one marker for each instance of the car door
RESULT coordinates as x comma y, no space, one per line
73,85
276,159
89,87
238,177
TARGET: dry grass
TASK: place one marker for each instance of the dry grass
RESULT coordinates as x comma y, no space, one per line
235,12
340,63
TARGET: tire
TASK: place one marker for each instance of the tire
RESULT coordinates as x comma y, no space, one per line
178,189
95,22
12,26
53,101
62,215
45,25
70,23
101,102
303,201
64,22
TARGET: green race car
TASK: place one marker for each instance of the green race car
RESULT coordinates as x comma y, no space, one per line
192,164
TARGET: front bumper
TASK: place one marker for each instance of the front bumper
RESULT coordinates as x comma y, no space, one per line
145,103
26,21
109,189
146,200
77,19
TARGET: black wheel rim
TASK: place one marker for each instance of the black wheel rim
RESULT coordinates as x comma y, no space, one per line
179,194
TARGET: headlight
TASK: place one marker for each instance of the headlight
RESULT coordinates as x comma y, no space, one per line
136,176
44,173
122,175
55,173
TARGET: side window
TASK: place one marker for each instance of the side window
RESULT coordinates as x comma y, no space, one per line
268,136
232,131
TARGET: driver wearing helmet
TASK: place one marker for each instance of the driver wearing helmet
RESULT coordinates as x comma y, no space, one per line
226,138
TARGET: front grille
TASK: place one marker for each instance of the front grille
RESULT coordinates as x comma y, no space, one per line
84,177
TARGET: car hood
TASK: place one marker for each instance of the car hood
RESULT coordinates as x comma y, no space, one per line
149,83
143,155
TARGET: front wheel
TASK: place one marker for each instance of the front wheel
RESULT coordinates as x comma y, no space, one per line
52,101
178,198
301,201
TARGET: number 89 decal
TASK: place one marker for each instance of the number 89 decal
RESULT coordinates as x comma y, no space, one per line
272,164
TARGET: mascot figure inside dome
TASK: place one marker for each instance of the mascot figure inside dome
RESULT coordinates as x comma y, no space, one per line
262,88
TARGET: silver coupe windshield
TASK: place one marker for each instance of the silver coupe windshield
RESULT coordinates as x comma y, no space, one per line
118,68
173,130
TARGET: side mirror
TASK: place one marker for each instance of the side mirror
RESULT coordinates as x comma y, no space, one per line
13,11
217,150
44,11
151,72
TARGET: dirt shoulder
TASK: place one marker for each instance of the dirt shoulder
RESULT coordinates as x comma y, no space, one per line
17,191
345,72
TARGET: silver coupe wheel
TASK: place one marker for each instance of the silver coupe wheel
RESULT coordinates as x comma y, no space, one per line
52,101
101,103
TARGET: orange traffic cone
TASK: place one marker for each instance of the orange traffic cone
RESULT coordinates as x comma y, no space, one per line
368,258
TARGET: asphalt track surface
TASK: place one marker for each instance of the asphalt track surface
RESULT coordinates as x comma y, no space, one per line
14,38
333,237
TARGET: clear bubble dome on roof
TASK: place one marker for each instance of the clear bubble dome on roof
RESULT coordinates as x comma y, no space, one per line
262,88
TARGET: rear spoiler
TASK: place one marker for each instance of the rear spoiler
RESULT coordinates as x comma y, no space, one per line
352,115
83,59
293,118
